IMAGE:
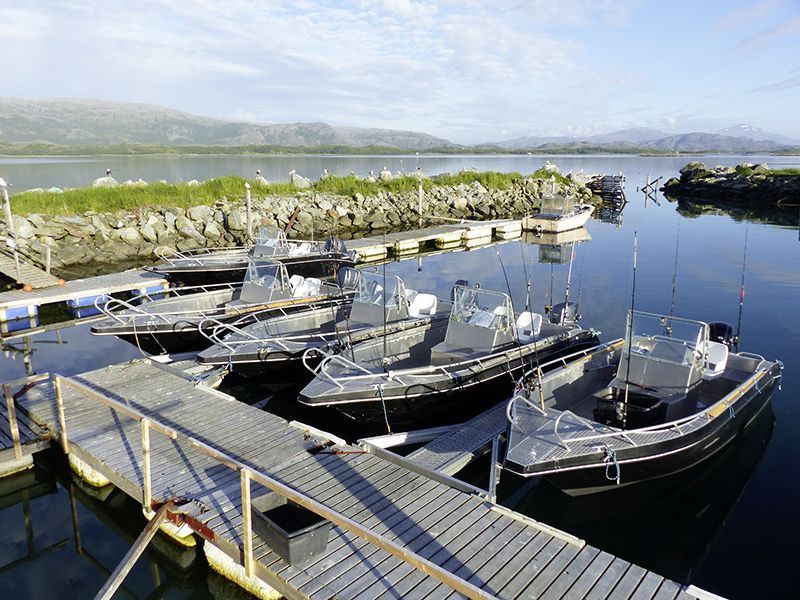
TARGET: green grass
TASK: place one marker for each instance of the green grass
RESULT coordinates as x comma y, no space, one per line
745,171
232,186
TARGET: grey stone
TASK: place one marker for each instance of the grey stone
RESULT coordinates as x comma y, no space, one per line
149,233
213,231
105,182
23,228
200,213
131,236
186,228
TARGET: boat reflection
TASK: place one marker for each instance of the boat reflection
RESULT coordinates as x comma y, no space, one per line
646,522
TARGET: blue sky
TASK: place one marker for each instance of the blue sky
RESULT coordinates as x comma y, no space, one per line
465,70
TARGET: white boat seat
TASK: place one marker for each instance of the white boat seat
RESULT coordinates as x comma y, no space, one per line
295,281
717,360
410,295
528,326
302,249
310,287
422,305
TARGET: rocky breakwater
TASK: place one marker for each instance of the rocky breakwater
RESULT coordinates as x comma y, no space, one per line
123,235
751,184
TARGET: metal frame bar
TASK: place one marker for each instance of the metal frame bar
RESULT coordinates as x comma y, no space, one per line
248,474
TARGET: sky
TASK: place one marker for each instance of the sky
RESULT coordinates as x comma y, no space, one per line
466,70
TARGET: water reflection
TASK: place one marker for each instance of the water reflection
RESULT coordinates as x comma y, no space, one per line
712,513
645,523
77,535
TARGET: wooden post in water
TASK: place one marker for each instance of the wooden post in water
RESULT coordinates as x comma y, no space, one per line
11,238
147,490
118,576
249,208
62,419
419,191
12,421
247,525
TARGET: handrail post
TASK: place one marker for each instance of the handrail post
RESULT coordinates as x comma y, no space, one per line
147,489
247,525
12,421
62,419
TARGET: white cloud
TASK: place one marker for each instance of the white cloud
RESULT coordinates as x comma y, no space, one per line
746,15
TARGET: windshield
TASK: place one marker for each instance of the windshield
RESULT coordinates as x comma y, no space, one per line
481,308
670,339
270,236
267,273
374,288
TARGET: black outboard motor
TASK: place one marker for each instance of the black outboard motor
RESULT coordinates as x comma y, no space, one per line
335,245
721,332
348,278
564,313
461,282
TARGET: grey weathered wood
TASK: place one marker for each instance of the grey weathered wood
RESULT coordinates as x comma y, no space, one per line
603,586
124,567
564,580
647,587
397,513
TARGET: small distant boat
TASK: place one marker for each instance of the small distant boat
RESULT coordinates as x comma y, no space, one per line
667,397
171,324
382,305
306,258
557,222
448,364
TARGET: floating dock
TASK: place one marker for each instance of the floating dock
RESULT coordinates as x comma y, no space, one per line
20,304
451,235
399,529
25,273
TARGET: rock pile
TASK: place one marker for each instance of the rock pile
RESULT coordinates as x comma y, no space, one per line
750,183
124,235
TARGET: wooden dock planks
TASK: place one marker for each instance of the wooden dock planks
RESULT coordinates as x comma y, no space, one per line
91,286
28,274
20,438
504,555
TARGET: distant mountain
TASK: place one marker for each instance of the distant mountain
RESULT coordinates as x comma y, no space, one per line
750,139
71,121
754,133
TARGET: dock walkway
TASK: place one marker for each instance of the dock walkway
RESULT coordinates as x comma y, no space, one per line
453,451
431,517
134,279
465,233
28,274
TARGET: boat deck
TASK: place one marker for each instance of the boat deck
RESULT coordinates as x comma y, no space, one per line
433,518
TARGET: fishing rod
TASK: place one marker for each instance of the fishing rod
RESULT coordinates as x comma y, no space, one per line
569,279
533,341
741,292
630,336
580,284
668,325
510,317
550,303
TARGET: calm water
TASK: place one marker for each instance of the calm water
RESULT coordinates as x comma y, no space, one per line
723,527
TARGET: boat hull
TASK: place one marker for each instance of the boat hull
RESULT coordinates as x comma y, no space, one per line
450,396
307,266
666,458
558,225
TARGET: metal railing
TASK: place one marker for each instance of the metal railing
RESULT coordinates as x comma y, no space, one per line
248,475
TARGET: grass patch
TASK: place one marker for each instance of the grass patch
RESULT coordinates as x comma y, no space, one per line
182,195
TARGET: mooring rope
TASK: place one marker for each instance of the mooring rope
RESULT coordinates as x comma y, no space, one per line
610,460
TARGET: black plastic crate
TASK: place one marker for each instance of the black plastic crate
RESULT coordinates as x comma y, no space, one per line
293,532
